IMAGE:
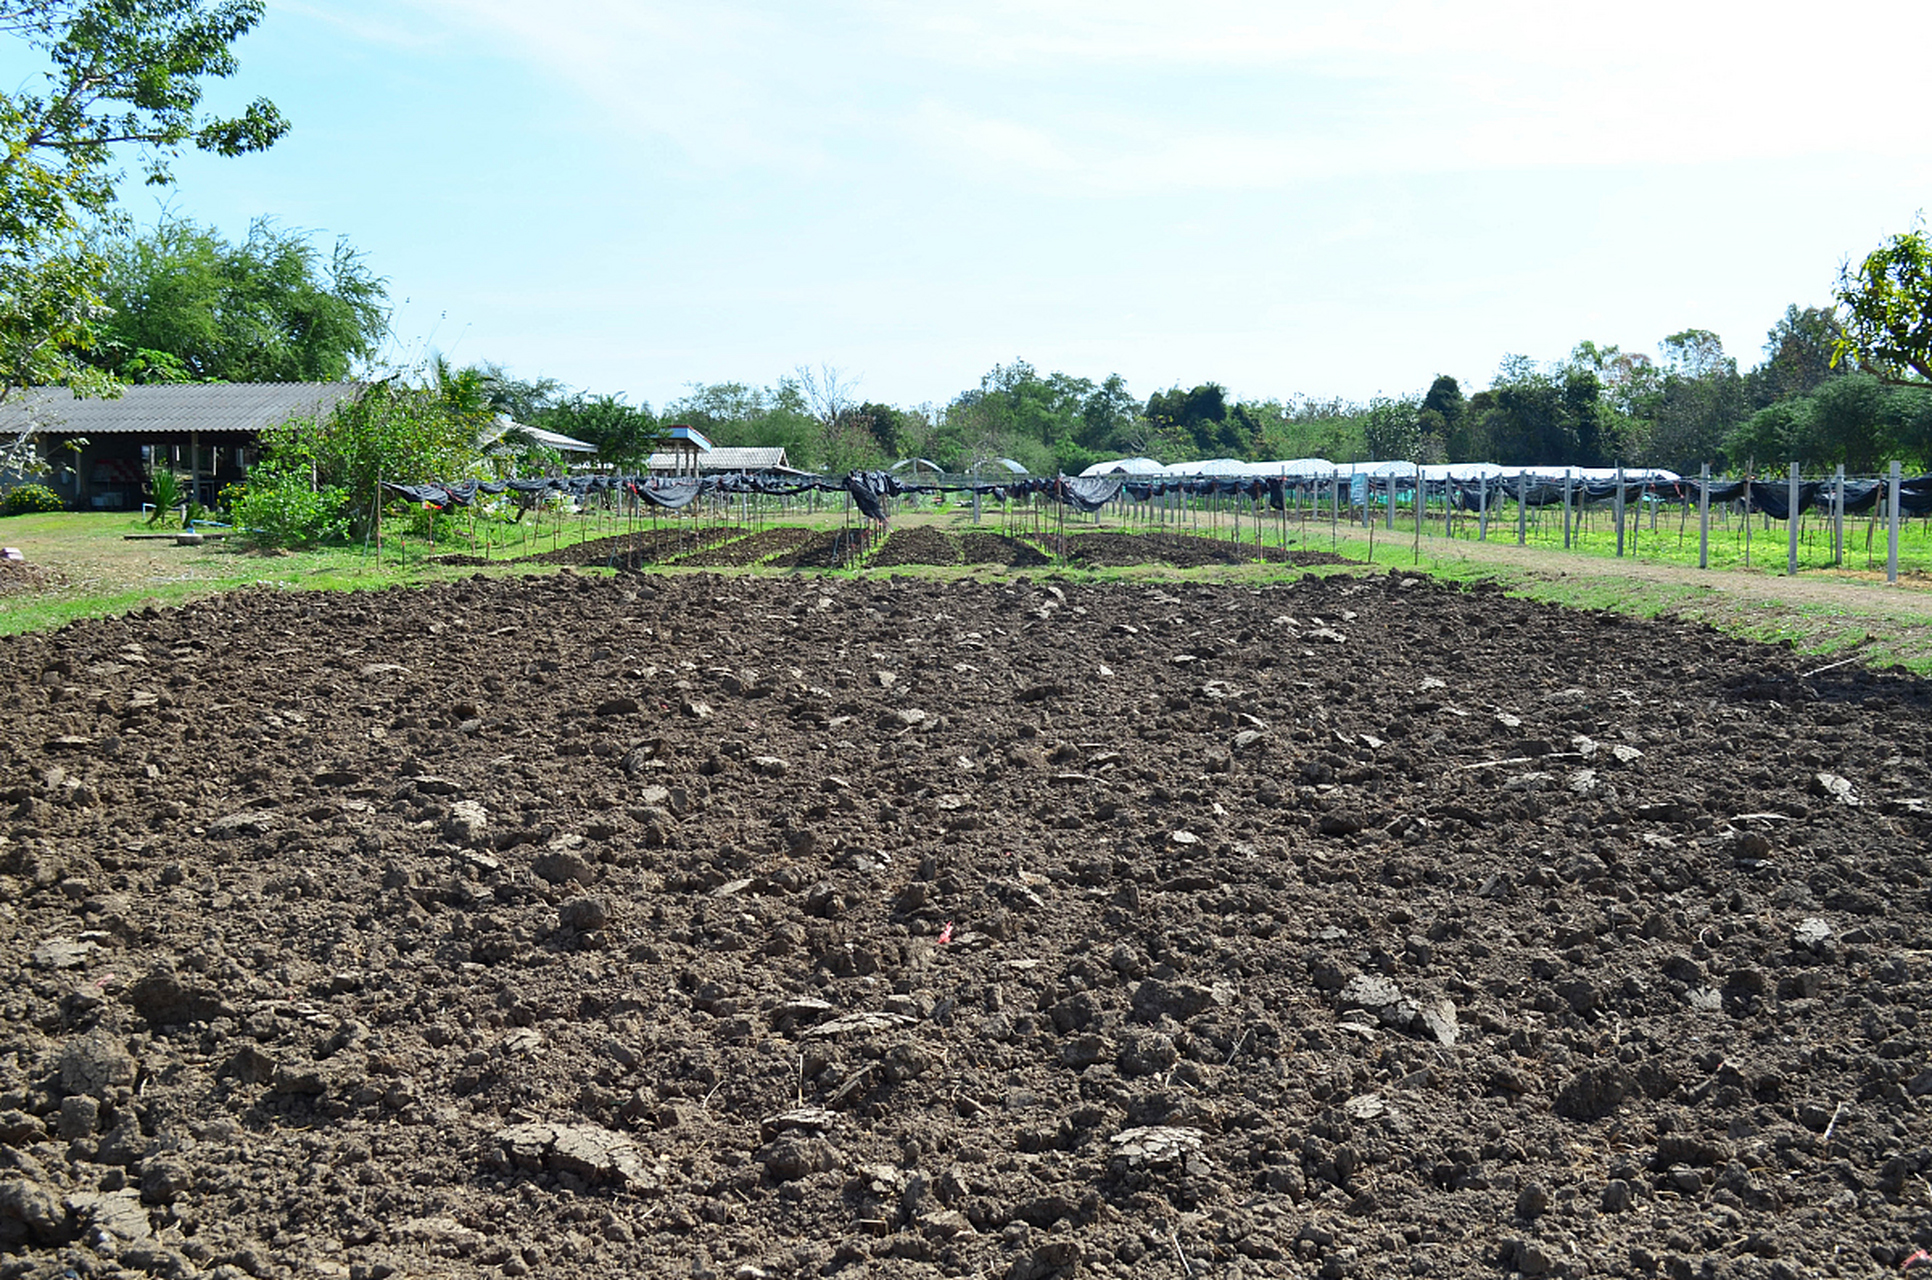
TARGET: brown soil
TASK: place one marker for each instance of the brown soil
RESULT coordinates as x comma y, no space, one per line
832,549
644,547
764,545
915,544
620,551
924,544
979,547
20,577
795,927
786,548
1184,551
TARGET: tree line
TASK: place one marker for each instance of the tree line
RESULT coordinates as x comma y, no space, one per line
183,303
1599,406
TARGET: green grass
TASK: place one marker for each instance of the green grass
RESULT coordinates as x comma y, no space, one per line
107,574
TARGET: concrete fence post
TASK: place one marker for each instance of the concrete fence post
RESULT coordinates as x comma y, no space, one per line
1791,518
1704,518
1891,537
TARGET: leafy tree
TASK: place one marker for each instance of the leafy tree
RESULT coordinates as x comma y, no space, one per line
843,440
1798,355
1886,306
1304,428
733,413
393,431
49,311
1853,422
1780,430
1909,426
1583,414
1858,421
521,400
1392,428
1524,417
1701,397
123,72
1443,420
1196,422
1629,385
887,426
190,306
1058,421
1110,416
625,435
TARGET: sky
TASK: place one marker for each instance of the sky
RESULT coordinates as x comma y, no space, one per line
1285,198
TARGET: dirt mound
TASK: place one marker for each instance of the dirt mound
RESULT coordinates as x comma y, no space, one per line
927,545
1182,550
979,547
919,544
636,550
787,548
755,549
646,546
833,549
799,927
21,577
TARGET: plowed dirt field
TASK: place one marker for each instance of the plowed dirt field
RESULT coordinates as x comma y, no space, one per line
704,926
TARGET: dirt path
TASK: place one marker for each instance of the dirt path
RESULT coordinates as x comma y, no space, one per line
1838,613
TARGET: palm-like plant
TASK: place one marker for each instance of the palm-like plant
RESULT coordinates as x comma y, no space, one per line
164,486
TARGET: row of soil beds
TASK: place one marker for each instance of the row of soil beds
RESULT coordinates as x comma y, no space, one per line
732,547
1182,550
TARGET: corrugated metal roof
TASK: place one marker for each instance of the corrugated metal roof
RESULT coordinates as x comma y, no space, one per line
174,409
689,435
728,458
553,439
560,442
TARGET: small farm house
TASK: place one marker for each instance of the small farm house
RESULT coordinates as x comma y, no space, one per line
98,452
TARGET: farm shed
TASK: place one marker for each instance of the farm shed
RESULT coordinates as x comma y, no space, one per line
99,451
683,447
719,460
548,439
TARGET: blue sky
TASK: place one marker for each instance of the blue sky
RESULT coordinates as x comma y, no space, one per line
1287,198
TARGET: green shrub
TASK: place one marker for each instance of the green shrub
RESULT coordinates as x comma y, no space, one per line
26,499
282,511
433,522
